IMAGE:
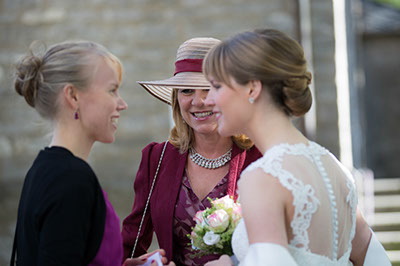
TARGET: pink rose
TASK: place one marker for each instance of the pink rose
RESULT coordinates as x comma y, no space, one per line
225,203
198,218
236,213
218,221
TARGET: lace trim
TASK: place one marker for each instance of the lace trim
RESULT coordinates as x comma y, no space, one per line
304,199
352,200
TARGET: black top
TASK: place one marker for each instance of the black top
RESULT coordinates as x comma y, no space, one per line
61,212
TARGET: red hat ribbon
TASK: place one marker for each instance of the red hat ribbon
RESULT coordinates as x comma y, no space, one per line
188,65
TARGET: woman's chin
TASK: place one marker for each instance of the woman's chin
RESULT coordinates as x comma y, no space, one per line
108,139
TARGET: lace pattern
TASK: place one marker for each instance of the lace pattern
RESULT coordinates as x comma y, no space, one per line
352,200
305,203
304,199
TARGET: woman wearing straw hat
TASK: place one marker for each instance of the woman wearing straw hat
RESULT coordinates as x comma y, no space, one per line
196,163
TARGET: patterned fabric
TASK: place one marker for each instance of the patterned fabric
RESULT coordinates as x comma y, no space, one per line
185,209
323,197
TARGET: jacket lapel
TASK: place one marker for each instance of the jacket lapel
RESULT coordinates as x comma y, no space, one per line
165,196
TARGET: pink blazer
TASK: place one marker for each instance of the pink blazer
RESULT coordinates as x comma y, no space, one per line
159,215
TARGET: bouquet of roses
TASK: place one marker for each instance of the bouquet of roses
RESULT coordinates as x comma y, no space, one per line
214,227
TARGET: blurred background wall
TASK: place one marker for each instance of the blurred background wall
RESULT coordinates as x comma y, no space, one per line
145,35
378,51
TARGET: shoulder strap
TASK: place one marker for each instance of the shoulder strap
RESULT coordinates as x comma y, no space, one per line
148,198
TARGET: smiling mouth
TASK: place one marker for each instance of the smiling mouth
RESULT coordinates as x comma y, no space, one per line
114,120
202,114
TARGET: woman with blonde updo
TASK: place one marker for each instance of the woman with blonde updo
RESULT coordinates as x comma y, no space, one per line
299,203
64,216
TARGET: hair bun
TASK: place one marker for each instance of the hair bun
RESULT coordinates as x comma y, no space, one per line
28,78
299,82
297,94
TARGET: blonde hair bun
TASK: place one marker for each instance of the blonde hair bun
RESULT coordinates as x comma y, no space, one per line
28,77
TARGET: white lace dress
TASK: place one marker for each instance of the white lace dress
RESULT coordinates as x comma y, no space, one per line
324,200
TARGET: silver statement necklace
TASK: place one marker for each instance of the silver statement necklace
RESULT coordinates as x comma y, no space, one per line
210,163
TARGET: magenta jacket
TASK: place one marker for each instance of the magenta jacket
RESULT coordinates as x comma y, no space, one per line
159,215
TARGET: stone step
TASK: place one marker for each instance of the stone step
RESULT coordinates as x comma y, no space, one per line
387,186
394,256
387,209
390,240
386,221
387,203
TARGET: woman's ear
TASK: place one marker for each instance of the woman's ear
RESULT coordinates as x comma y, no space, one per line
70,94
255,89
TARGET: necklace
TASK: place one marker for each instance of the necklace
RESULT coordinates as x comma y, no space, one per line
210,163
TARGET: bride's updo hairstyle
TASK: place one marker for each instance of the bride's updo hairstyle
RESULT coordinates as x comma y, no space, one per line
40,78
269,56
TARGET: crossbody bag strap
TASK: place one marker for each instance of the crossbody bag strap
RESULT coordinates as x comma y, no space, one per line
148,199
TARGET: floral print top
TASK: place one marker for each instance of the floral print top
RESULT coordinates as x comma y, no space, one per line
186,207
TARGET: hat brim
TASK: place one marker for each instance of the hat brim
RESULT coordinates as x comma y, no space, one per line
162,89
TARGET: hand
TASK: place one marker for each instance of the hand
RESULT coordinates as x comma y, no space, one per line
142,259
224,260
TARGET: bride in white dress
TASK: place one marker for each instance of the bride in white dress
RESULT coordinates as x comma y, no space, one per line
299,203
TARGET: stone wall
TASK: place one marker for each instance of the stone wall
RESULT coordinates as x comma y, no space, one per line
323,43
377,83
144,34
382,94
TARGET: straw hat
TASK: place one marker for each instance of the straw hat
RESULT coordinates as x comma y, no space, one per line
188,70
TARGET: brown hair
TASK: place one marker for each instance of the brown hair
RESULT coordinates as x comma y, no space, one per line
269,56
182,136
40,78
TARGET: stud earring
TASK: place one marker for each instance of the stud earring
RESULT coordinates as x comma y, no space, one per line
251,100
76,115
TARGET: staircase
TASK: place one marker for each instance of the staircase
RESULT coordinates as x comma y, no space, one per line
386,219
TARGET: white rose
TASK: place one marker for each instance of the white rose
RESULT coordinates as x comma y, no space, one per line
210,238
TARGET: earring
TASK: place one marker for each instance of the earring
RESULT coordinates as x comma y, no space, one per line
251,100
76,115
